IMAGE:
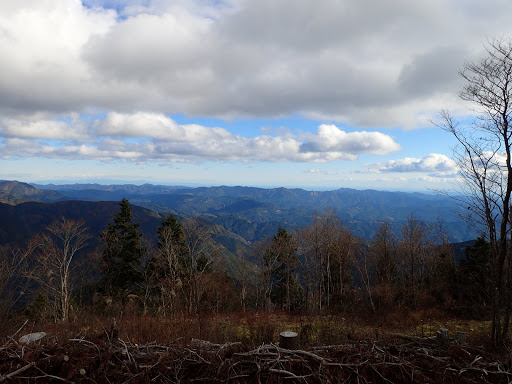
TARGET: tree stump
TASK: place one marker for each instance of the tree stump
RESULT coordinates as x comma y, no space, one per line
460,337
288,340
443,336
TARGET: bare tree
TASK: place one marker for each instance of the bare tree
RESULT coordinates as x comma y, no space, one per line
59,245
247,272
201,251
327,251
344,255
442,274
309,246
365,265
330,228
13,284
484,158
168,264
415,251
383,249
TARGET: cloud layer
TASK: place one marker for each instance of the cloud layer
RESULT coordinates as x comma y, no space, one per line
364,63
146,136
98,79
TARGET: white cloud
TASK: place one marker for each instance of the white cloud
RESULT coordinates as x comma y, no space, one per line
363,63
39,129
158,126
433,163
147,136
330,138
42,67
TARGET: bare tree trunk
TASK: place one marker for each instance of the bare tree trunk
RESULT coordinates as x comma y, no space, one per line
64,238
486,164
363,270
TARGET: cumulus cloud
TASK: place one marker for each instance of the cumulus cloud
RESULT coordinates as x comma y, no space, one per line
434,163
330,138
40,129
145,136
158,126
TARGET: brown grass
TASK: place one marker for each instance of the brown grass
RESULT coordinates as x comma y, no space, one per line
256,328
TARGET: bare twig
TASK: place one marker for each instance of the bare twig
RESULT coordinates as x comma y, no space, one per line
17,372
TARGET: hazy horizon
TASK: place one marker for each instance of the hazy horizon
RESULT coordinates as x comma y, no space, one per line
65,182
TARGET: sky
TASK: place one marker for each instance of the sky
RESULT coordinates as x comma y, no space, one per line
319,94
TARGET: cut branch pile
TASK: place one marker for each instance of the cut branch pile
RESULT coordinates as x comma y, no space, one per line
105,361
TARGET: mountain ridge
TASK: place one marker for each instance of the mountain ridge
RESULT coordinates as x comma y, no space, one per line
256,213
16,192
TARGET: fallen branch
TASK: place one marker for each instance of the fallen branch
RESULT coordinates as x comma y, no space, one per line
103,361
17,372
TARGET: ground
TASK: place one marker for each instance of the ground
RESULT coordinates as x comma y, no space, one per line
244,348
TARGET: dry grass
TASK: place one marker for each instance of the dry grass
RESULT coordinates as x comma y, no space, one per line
253,329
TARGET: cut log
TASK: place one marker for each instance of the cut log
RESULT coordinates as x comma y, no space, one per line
288,340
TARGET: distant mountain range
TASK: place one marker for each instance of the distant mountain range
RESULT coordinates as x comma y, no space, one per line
256,213
14,192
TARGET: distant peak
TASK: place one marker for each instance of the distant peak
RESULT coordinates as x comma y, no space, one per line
11,185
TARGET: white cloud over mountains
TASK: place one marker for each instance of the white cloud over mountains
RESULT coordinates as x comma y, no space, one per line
434,163
330,138
155,137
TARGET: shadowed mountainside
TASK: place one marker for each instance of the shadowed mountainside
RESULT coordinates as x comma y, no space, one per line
20,223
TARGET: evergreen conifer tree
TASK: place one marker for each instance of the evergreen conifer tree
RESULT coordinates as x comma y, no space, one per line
286,288
122,254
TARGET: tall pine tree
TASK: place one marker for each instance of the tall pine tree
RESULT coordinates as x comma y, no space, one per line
286,288
122,254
